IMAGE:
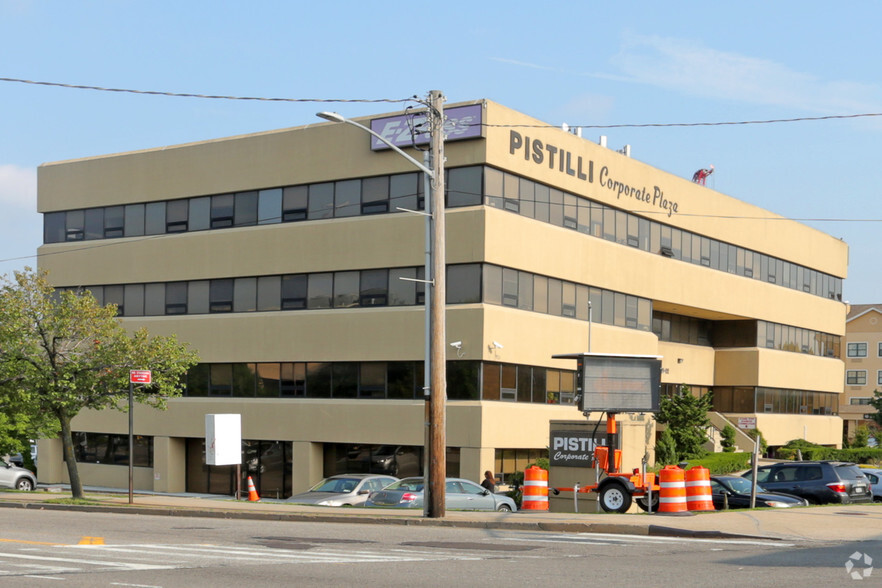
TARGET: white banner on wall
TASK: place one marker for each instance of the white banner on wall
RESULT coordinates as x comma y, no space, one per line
223,439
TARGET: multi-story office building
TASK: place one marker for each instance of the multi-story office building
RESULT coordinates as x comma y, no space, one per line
863,364
280,256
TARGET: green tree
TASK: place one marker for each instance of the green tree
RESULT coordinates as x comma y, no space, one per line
861,437
876,402
753,434
686,417
62,352
727,439
666,449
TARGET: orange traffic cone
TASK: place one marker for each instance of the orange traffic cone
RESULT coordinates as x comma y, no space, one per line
252,491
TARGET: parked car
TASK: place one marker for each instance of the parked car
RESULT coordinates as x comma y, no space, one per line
16,459
460,495
875,477
734,492
12,476
342,490
819,482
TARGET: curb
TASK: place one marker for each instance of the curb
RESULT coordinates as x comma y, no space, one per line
525,525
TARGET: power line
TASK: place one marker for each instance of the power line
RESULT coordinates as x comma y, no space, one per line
414,99
699,124
209,96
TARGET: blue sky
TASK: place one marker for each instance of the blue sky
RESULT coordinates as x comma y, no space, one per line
589,63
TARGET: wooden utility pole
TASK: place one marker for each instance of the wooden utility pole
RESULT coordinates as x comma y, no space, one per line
438,397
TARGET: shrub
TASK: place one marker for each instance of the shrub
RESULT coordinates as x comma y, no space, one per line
727,438
723,463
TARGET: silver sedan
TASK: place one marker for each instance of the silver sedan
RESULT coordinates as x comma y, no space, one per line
12,476
342,490
460,495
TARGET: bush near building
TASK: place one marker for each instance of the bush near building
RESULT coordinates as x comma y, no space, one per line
810,451
722,463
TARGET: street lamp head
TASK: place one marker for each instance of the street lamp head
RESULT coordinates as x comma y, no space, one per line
331,116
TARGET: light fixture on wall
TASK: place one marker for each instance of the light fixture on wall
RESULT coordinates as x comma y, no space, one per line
679,360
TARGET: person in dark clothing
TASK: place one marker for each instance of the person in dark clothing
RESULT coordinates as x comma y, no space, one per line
489,482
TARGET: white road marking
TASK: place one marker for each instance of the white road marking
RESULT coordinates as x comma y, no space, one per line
611,539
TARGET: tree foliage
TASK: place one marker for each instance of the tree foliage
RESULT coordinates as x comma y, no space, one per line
666,449
62,352
686,418
876,402
727,438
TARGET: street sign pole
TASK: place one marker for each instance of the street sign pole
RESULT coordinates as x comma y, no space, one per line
131,442
141,377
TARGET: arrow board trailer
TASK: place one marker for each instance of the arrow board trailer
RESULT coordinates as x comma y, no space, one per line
614,383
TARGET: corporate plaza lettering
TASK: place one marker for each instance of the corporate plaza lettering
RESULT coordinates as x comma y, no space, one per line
575,165
573,448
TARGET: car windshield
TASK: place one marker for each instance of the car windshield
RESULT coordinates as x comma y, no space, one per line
407,484
336,485
741,485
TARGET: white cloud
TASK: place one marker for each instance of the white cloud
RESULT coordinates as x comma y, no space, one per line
18,187
692,68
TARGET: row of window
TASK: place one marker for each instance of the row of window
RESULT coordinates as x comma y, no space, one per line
466,380
267,463
724,334
466,283
467,186
534,200
774,400
859,377
112,449
860,349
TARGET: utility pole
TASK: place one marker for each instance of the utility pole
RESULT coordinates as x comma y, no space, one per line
438,396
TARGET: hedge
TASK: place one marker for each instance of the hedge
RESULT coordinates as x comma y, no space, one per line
857,455
721,463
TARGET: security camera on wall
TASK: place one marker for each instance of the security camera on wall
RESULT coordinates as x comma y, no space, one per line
456,344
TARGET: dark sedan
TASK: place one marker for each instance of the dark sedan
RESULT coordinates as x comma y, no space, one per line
734,492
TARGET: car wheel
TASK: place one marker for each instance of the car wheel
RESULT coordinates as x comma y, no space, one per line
503,508
614,498
24,484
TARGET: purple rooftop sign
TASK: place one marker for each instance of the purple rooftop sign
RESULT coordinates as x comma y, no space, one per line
461,122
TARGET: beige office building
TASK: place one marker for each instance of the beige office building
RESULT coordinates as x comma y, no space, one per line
863,364
280,257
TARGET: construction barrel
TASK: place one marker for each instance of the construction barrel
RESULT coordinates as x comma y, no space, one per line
698,489
535,490
672,493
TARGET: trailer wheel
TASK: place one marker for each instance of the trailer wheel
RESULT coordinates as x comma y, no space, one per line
643,502
615,498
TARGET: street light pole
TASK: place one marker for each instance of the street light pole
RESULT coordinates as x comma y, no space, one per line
438,398
436,444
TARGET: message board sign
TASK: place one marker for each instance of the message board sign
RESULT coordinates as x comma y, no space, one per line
617,383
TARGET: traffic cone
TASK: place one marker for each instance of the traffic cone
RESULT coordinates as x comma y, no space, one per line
252,491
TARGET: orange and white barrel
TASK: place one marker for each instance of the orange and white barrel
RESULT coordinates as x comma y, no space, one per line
535,489
672,490
698,489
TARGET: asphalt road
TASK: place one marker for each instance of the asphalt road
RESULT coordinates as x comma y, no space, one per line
73,549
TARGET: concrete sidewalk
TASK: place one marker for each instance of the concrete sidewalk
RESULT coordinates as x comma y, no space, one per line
819,523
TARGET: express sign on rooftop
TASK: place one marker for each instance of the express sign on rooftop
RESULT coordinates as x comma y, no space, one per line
405,130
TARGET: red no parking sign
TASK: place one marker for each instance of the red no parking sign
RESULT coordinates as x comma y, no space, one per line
140,377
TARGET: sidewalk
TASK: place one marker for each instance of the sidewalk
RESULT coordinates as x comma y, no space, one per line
820,523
